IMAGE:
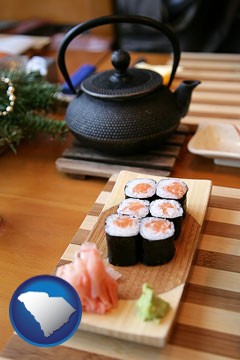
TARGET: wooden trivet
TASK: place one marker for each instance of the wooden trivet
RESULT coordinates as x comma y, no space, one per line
81,161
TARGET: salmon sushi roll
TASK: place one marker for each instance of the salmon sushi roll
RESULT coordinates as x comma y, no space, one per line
144,189
122,235
157,241
134,207
168,209
173,189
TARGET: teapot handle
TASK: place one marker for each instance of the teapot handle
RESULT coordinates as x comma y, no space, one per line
116,19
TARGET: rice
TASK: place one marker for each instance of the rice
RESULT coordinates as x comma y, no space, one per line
153,228
171,189
166,208
134,207
140,189
121,225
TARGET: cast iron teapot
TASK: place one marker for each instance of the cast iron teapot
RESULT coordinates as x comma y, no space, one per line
125,110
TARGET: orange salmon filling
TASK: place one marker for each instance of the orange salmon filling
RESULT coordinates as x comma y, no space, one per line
123,222
165,207
134,206
175,188
158,225
142,188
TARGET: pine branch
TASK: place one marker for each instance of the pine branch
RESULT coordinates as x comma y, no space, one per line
35,97
33,92
33,123
10,135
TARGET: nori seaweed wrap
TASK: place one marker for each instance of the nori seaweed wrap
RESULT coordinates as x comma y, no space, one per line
157,241
123,240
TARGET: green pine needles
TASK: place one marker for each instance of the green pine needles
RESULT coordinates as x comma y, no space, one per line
25,102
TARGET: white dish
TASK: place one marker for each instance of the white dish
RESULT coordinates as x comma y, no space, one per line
220,142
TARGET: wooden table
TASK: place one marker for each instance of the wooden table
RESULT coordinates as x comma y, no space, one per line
42,209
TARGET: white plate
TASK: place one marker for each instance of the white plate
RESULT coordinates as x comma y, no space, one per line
220,142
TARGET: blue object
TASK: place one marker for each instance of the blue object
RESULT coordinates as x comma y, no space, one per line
45,310
77,77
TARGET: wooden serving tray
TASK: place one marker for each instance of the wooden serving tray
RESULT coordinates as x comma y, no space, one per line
167,280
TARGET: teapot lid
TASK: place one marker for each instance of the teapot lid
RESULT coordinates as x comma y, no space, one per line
122,82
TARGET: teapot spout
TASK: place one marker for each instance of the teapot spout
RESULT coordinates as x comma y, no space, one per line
183,95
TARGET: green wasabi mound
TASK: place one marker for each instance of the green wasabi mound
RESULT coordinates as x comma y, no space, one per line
150,306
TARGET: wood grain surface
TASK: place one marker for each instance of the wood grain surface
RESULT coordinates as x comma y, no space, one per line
208,321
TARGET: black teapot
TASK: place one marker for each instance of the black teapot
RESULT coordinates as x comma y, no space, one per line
125,110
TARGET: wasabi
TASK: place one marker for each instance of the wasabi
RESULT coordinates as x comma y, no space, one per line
150,306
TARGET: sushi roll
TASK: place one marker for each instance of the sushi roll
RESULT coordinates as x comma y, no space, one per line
144,189
122,234
174,189
134,207
168,209
157,241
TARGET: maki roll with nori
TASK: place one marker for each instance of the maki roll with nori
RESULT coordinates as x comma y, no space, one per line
134,207
174,189
144,189
157,241
168,209
122,234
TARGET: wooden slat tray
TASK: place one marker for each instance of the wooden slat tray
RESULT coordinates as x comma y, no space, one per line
167,280
78,160
208,321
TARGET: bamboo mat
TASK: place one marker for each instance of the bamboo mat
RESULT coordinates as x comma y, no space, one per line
217,98
208,322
